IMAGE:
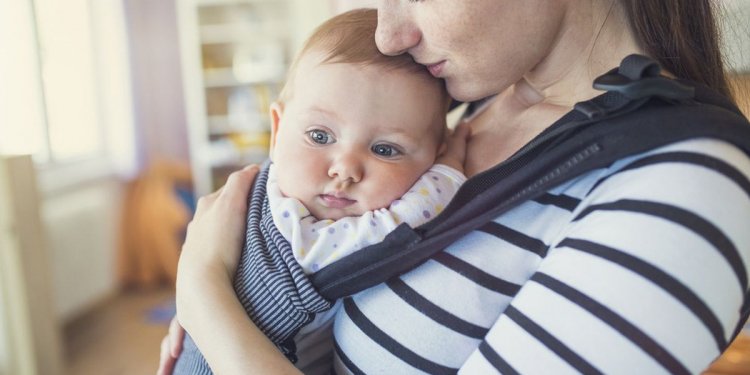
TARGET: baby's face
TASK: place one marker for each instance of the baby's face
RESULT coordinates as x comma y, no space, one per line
353,139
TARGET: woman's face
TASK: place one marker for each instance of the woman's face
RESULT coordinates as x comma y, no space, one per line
480,47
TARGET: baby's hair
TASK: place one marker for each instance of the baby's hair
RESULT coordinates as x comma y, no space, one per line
350,38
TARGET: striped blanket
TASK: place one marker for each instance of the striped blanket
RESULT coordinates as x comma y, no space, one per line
269,283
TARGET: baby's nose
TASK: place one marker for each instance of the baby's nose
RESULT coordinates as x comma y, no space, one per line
347,168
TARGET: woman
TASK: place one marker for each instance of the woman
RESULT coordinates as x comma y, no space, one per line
576,281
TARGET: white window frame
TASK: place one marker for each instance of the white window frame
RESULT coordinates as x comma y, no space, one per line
112,94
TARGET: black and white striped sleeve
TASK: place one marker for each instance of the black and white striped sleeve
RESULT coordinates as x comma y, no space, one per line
650,276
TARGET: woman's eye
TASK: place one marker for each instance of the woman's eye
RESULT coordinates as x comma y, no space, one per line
385,150
320,137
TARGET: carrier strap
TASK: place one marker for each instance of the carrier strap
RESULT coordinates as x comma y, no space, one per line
640,111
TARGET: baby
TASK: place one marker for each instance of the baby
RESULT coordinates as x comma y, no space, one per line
358,146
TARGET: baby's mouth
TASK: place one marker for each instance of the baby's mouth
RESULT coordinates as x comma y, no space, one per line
332,201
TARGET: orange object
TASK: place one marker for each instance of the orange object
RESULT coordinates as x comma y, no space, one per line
154,220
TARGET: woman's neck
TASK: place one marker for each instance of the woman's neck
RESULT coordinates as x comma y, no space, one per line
594,38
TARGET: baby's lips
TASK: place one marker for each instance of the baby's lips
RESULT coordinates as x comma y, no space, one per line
333,201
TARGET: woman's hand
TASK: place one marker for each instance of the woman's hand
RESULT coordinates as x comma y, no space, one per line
212,244
171,347
207,306
211,251
217,231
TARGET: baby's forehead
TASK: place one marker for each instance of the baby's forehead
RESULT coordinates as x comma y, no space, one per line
428,130
392,65
386,99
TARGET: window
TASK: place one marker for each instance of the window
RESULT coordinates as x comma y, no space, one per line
65,95
69,78
21,112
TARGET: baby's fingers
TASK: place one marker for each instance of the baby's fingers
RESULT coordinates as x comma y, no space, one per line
454,152
457,139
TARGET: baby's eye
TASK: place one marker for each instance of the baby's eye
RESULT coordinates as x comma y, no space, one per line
320,136
385,150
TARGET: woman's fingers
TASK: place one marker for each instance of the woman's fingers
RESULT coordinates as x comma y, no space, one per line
212,247
166,360
238,184
176,336
171,347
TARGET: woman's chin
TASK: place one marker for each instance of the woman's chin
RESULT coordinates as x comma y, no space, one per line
466,91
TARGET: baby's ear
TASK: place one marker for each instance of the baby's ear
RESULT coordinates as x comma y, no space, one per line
276,112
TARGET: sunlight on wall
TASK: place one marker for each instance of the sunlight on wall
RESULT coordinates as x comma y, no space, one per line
21,120
66,45
116,98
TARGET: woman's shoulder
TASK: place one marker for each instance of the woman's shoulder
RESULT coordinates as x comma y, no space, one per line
706,153
700,186
694,167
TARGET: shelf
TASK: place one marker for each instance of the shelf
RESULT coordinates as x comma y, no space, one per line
235,54
223,125
230,2
224,153
238,33
226,77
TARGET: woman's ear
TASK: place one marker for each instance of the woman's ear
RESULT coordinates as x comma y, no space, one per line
276,111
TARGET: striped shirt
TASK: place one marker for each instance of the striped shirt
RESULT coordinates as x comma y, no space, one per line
640,267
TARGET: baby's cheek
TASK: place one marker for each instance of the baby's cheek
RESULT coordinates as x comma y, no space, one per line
384,193
292,187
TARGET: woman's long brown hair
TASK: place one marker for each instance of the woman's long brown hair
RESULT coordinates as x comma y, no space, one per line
683,36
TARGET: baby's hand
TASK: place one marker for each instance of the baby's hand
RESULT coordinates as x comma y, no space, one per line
453,153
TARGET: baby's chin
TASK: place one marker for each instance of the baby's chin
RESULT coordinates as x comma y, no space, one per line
356,210
323,213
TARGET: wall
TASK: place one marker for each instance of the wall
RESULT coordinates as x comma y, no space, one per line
157,84
25,273
344,5
307,15
4,351
741,86
80,201
81,225
15,345
79,198
736,34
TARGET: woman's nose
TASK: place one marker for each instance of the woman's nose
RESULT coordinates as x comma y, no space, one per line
347,168
395,33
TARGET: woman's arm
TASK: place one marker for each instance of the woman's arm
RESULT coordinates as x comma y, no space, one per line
650,276
206,302
226,336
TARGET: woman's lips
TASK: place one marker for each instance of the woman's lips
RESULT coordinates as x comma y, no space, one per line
331,201
436,69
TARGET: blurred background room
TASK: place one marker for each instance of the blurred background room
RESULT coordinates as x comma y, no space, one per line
114,116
